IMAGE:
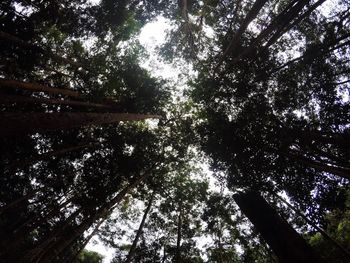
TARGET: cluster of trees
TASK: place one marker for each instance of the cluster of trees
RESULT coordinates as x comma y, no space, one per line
92,144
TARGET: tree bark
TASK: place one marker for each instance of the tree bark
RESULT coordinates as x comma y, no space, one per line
286,243
32,100
19,123
179,235
139,231
39,87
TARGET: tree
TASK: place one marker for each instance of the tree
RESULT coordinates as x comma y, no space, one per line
275,230
265,104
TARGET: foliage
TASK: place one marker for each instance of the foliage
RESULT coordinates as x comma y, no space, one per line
88,257
264,107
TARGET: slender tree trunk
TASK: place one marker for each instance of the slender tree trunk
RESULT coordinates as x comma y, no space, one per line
34,254
81,247
31,100
19,42
179,235
345,253
65,239
331,157
220,247
15,84
282,31
321,167
337,139
284,18
16,202
139,231
287,244
19,123
45,156
311,55
234,43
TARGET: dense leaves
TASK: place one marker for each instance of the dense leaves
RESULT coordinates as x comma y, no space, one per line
264,107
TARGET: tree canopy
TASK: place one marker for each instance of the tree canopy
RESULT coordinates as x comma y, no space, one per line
95,144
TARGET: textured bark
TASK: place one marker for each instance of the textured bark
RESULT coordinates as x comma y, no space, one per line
139,231
19,123
38,87
32,100
286,243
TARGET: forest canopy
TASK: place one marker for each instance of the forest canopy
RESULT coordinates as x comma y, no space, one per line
244,156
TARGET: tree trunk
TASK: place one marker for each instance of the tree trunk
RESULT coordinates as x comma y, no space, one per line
253,12
286,243
220,249
16,202
73,256
345,253
331,157
8,99
321,167
311,55
14,84
35,254
282,31
179,235
284,18
19,123
65,238
48,155
139,231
